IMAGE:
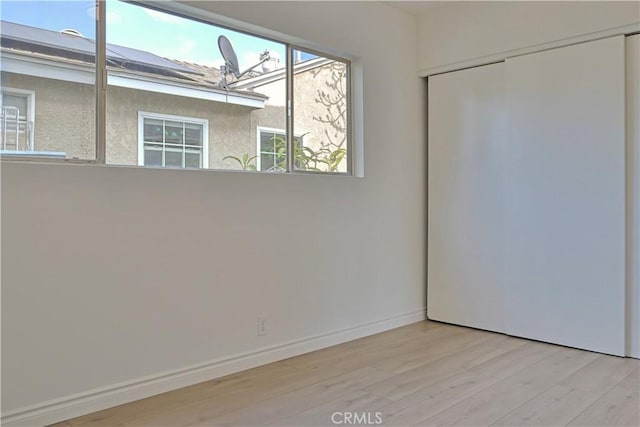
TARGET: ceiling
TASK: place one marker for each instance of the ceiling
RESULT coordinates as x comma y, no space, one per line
418,7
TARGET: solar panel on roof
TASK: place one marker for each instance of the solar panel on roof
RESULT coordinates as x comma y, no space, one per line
71,43
145,58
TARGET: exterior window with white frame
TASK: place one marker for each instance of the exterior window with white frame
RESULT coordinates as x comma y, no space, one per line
17,120
172,141
272,149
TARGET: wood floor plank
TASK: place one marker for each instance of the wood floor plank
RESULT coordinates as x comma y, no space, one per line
516,360
422,374
618,407
493,403
218,404
632,381
435,398
300,400
406,361
415,332
408,382
556,406
165,402
601,374
322,414
428,341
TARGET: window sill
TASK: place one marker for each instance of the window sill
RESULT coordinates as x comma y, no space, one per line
62,161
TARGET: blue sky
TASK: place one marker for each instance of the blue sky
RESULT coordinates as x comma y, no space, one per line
141,28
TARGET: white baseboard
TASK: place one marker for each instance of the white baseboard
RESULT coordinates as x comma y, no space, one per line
106,397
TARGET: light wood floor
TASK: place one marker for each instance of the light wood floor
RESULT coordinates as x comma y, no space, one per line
426,373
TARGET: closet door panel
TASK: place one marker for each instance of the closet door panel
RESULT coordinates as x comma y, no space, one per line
467,131
566,196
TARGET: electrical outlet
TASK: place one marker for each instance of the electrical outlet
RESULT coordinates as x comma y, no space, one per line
262,325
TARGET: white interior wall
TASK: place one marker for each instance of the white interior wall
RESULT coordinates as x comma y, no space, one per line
474,30
115,274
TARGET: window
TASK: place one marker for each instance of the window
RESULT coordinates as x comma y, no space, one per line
172,141
17,120
272,149
320,99
272,154
42,57
187,73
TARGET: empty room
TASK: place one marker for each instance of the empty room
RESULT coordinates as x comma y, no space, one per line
320,213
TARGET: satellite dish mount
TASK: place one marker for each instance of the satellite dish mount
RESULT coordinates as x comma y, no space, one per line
231,68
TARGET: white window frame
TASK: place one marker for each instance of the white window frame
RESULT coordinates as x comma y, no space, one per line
160,116
31,108
259,130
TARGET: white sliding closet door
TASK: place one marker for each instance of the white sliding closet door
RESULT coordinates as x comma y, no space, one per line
566,196
467,130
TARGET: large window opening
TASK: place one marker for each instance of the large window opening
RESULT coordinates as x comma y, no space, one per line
179,92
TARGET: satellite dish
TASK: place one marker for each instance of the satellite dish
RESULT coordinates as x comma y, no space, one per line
229,55
231,66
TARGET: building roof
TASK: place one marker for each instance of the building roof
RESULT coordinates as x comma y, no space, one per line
70,49
203,73
67,44
44,53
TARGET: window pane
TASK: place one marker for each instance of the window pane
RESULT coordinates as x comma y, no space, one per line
193,134
175,54
267,162
17,101
153,130
173,133
173,159
192,160
56,113
273,150
267,141
320,99
153,156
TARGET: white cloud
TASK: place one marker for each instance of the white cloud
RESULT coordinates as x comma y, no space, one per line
113,18
163,17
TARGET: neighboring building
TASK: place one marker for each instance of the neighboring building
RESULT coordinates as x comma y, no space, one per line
160,112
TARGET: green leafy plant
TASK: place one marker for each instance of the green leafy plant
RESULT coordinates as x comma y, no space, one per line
323,159
246,162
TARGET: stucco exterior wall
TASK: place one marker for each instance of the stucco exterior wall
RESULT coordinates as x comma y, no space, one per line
319,97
